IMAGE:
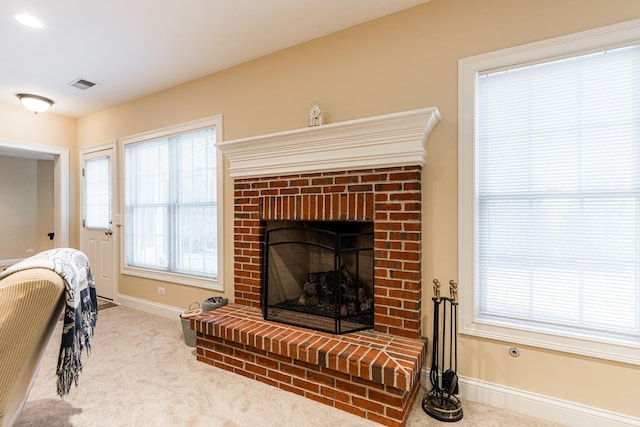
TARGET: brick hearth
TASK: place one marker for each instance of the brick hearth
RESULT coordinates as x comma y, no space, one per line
302,175
367,373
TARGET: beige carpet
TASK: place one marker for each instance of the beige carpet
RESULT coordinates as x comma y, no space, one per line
140,373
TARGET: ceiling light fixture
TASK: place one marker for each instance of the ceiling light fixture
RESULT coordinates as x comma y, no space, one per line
28,20
35,103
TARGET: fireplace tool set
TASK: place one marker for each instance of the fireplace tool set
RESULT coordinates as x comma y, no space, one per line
441,401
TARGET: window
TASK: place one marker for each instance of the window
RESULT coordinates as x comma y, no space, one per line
171,204
97,191
549,168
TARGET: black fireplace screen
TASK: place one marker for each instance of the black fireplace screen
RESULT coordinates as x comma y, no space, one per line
319,275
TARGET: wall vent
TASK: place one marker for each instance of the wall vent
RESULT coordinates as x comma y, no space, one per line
81,84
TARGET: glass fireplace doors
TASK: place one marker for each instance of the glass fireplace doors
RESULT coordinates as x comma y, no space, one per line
319,275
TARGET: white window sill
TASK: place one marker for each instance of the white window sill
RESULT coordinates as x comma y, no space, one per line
183,279
557,339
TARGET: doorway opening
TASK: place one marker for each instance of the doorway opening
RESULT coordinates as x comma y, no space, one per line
60,157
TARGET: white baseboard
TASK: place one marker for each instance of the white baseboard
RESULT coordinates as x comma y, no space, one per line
158,309
537,405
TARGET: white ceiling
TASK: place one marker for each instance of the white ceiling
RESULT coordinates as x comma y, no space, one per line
132,48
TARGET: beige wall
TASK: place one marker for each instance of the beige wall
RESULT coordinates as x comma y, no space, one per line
19,208
20,125
26,191
404,61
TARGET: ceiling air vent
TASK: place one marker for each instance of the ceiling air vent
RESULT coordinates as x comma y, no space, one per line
81,84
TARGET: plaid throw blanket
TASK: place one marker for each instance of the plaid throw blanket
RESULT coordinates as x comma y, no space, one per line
81,307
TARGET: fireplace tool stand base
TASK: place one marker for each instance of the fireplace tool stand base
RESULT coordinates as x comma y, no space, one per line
441,401
447,408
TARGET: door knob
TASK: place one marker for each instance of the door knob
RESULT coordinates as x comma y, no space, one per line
108,232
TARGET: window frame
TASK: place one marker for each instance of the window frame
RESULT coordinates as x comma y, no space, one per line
609,37
167,276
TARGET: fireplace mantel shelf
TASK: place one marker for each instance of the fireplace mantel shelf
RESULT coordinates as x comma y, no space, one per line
390,140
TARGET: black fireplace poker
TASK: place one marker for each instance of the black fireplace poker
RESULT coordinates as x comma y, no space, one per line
441,401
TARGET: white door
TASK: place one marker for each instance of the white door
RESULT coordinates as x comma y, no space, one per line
97,218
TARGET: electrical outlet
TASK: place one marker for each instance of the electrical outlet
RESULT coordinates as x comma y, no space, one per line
160,290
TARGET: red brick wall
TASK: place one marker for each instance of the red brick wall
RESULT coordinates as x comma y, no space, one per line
391,197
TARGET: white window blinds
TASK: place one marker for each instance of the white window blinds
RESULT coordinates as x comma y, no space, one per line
97,193
171,204
558,195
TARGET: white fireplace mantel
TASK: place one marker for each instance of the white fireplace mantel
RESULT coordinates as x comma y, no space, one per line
389,140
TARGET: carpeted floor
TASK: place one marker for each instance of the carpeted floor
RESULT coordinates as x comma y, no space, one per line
140,373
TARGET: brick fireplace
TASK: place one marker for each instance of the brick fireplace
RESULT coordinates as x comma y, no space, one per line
363,170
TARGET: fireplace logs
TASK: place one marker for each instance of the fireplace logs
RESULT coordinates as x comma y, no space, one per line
319,293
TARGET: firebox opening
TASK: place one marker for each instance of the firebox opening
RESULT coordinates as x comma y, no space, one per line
319,274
